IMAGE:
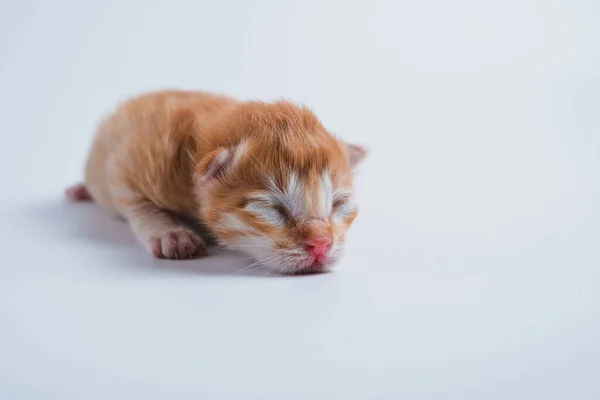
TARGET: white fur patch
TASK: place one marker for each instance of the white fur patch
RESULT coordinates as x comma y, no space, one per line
325,195
239,152
232,223
218,163
256,242
293,197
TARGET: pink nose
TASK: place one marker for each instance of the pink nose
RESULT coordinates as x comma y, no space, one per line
318,246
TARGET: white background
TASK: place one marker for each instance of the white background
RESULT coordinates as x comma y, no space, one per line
472,271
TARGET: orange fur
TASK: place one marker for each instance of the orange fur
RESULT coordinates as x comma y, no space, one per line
206,156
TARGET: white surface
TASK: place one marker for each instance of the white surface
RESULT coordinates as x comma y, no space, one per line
471,273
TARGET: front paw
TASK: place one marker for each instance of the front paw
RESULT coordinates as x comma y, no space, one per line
177,243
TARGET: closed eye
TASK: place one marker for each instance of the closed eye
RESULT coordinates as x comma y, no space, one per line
339,202
273,214
282,211
342,207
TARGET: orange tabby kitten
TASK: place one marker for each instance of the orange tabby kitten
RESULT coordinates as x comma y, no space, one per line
264,178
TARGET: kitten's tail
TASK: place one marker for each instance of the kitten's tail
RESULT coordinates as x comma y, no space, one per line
78,193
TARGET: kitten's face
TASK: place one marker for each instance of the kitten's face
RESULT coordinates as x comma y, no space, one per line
284,198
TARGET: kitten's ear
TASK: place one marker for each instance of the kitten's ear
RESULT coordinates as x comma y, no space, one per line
213,165
356,154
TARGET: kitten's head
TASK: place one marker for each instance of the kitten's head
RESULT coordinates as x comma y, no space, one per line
279,188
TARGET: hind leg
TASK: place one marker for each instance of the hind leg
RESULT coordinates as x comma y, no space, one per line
78,193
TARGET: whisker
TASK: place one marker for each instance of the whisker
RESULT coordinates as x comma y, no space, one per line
257,262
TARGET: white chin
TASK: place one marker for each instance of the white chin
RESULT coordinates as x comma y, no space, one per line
313,266
299,265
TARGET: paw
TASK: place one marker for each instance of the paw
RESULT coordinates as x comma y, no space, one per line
177,243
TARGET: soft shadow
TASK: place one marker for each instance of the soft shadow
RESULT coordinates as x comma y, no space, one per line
89,223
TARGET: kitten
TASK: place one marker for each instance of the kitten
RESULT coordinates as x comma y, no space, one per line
263,178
